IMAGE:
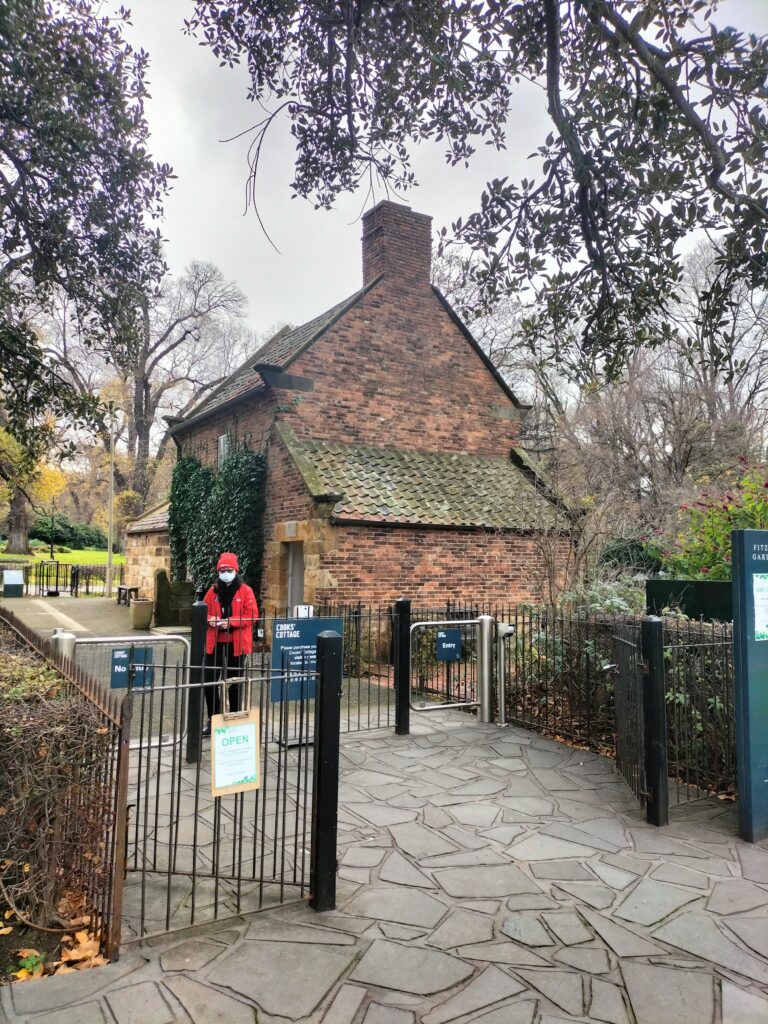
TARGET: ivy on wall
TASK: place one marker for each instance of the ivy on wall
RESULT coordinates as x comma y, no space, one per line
191,485
214,513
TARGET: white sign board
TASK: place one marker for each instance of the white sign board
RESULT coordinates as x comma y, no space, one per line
760,594
234,753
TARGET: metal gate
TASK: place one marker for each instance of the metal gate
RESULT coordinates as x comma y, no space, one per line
191,857
449,663
630,727
52,579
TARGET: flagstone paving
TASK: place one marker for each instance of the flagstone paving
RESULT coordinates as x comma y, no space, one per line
485,877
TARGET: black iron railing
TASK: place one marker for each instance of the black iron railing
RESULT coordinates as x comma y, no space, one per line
81,846
698,686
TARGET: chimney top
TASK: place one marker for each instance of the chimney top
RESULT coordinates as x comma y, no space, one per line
398,243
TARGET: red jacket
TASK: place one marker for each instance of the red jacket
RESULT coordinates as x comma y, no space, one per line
245,612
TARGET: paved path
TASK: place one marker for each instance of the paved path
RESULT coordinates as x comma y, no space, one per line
487,876
84,616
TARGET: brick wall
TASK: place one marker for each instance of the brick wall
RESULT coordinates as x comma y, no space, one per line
289,511
247,422
376,565
145,552
396,371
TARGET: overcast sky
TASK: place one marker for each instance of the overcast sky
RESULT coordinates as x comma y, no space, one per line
196,105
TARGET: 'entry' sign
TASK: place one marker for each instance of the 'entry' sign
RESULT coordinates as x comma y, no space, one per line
234,753
449,645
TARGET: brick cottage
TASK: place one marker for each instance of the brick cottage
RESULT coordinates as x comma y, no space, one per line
390,437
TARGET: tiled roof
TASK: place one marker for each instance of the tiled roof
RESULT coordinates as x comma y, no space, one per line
154,520
287,344
388,485
279,351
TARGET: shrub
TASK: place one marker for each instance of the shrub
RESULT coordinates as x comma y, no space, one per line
65,532
623,596
639,556
51,787
704,542
190,486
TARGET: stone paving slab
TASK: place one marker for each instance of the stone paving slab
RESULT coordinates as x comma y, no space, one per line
473,888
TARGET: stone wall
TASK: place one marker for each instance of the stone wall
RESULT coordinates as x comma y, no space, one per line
144,553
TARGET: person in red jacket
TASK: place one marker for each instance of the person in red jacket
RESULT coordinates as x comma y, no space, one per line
232,612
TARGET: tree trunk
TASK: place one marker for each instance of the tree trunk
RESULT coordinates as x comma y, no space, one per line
18,525
141,468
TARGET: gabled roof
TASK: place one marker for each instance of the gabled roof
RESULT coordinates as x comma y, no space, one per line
281,350
450,490
289,343
154,520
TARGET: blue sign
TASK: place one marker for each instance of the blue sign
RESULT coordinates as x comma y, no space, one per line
294,649
449,645
750,653
134,663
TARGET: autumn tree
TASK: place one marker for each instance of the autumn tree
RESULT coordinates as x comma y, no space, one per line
24,485
657,127
78,192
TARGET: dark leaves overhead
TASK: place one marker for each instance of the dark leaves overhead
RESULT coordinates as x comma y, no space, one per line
657,127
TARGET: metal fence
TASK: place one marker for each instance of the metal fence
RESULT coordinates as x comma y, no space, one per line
699,694
51,578
630,719
86,848
368,698
556,674
561,680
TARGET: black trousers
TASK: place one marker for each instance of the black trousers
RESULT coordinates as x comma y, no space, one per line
222,664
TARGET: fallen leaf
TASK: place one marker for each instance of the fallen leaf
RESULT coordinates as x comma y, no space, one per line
82,951
63,969
28,952
22,975
6,931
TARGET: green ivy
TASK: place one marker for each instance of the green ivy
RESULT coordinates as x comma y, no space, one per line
191,485
210,514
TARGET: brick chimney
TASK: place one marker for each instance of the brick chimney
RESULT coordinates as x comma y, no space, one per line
398,243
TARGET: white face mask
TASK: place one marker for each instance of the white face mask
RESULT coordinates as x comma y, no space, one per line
226,576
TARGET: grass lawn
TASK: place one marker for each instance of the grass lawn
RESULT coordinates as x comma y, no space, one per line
74,557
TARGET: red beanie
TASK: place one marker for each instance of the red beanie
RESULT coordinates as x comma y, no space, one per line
228,561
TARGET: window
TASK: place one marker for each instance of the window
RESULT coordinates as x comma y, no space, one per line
224,445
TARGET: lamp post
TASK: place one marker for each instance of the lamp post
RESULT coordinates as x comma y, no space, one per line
50,535
110,512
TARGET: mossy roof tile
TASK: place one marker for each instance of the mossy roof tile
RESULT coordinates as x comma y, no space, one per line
388,485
